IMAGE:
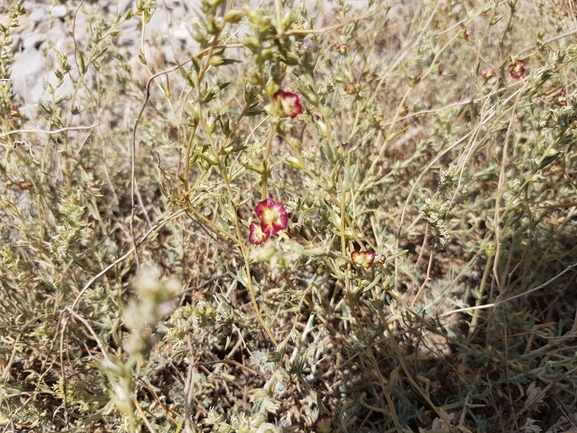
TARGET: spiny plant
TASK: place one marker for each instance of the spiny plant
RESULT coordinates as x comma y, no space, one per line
322,219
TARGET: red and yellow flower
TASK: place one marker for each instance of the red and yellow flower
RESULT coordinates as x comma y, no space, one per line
273,218
517,69
256,235
272,215
363,258
287,104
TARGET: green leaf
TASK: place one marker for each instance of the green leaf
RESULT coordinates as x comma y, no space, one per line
254,112
397,255
230,61
211,94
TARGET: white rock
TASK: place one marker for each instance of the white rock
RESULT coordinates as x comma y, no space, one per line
38,15
33,41
59,11
27,71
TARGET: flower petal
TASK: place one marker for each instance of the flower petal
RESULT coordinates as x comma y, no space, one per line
324,424
257,236
288,104
488,74
517,69
363,258
272,215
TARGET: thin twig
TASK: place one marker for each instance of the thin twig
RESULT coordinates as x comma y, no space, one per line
121,259
48,131
499,303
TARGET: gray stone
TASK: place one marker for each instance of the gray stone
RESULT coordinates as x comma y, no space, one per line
27,70
38,14
59,11
33,41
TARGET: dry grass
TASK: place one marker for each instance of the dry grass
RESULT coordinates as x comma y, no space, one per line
132,299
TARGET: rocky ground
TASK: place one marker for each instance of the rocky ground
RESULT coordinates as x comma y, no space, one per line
48,29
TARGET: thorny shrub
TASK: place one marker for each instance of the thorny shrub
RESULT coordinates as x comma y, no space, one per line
342,217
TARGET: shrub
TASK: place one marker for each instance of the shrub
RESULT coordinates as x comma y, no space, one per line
360,222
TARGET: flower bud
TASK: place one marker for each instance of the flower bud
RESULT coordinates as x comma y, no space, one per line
234,16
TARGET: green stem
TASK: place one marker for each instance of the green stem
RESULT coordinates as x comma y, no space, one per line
266,163
189,146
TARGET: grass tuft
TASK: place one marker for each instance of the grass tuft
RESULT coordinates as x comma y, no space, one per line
338,217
